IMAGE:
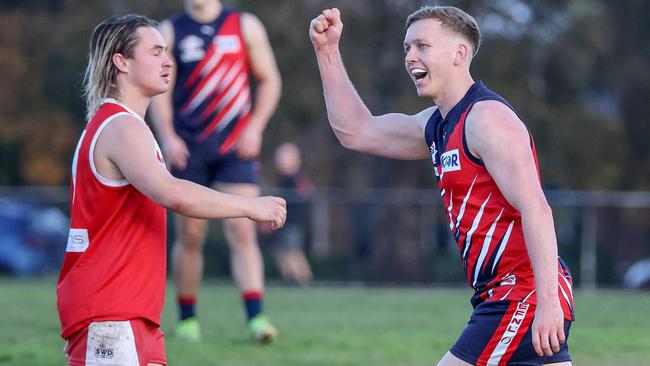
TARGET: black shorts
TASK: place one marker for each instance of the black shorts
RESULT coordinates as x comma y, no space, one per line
206,167
500,333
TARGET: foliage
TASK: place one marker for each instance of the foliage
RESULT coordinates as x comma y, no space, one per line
575,70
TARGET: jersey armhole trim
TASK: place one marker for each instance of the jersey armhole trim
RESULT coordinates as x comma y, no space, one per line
91,159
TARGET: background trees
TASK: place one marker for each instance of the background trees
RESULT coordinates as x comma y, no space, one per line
575,70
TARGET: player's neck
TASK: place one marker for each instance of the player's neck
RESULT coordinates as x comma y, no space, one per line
206,13
452,93
134,100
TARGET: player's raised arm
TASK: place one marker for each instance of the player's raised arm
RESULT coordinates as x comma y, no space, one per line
394,135
130,146
497,136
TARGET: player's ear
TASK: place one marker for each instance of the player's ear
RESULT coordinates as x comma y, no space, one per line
462,53
120,62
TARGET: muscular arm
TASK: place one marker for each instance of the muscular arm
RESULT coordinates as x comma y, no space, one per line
497,136
393,135
269,84
128,146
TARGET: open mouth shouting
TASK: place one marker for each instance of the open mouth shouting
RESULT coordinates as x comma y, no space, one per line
418,73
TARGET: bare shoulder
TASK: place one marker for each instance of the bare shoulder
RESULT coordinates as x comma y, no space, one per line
127,129
492,127
490,115
252,27
423,117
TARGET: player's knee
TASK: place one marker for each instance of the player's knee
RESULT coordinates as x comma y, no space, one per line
191,238
240,233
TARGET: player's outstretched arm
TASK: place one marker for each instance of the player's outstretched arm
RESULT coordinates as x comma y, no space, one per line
129,146
174,148
269,85
497,136
394,135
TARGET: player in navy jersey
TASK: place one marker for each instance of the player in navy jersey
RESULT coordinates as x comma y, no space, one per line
211,128
486,168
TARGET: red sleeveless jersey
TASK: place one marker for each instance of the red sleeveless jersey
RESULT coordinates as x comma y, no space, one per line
487,229
115,262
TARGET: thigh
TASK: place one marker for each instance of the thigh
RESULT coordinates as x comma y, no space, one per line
499,333
450,360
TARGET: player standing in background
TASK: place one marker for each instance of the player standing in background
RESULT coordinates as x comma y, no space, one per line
111,289
289,243
486,167
211,133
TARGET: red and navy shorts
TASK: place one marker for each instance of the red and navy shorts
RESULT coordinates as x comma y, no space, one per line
117,343
500,333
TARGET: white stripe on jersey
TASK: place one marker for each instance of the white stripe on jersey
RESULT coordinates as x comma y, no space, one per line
484,249
503,244
477,220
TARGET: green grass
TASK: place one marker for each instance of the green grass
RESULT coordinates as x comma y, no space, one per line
330,326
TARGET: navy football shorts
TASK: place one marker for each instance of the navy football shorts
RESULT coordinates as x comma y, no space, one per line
206,167
500,333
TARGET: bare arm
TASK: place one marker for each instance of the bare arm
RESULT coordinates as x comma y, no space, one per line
393,135
269,85
162,112
497,136
127,147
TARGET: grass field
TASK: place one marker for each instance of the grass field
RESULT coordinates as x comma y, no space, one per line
330,326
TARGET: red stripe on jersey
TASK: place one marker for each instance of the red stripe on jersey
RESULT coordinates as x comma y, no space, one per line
233,84
211,51
234,135
230,110
214,76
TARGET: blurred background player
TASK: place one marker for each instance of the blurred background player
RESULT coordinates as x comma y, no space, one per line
211,128
288,244
486,166
111,288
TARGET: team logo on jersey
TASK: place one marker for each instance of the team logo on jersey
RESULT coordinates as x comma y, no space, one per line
450,161
207,30
190,49
510,280
159,155
77,240
228,44
434,152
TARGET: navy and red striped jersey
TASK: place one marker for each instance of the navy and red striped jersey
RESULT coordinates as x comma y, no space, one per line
487,229
212,93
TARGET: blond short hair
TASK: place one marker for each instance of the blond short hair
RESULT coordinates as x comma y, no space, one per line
453,19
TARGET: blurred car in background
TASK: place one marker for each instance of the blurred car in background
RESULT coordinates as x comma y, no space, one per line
32,238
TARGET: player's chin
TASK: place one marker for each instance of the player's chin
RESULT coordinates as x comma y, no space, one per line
422,92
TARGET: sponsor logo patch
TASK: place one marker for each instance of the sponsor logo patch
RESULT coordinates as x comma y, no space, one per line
191,49
515,323
228,44
450,161
103,352
77,240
